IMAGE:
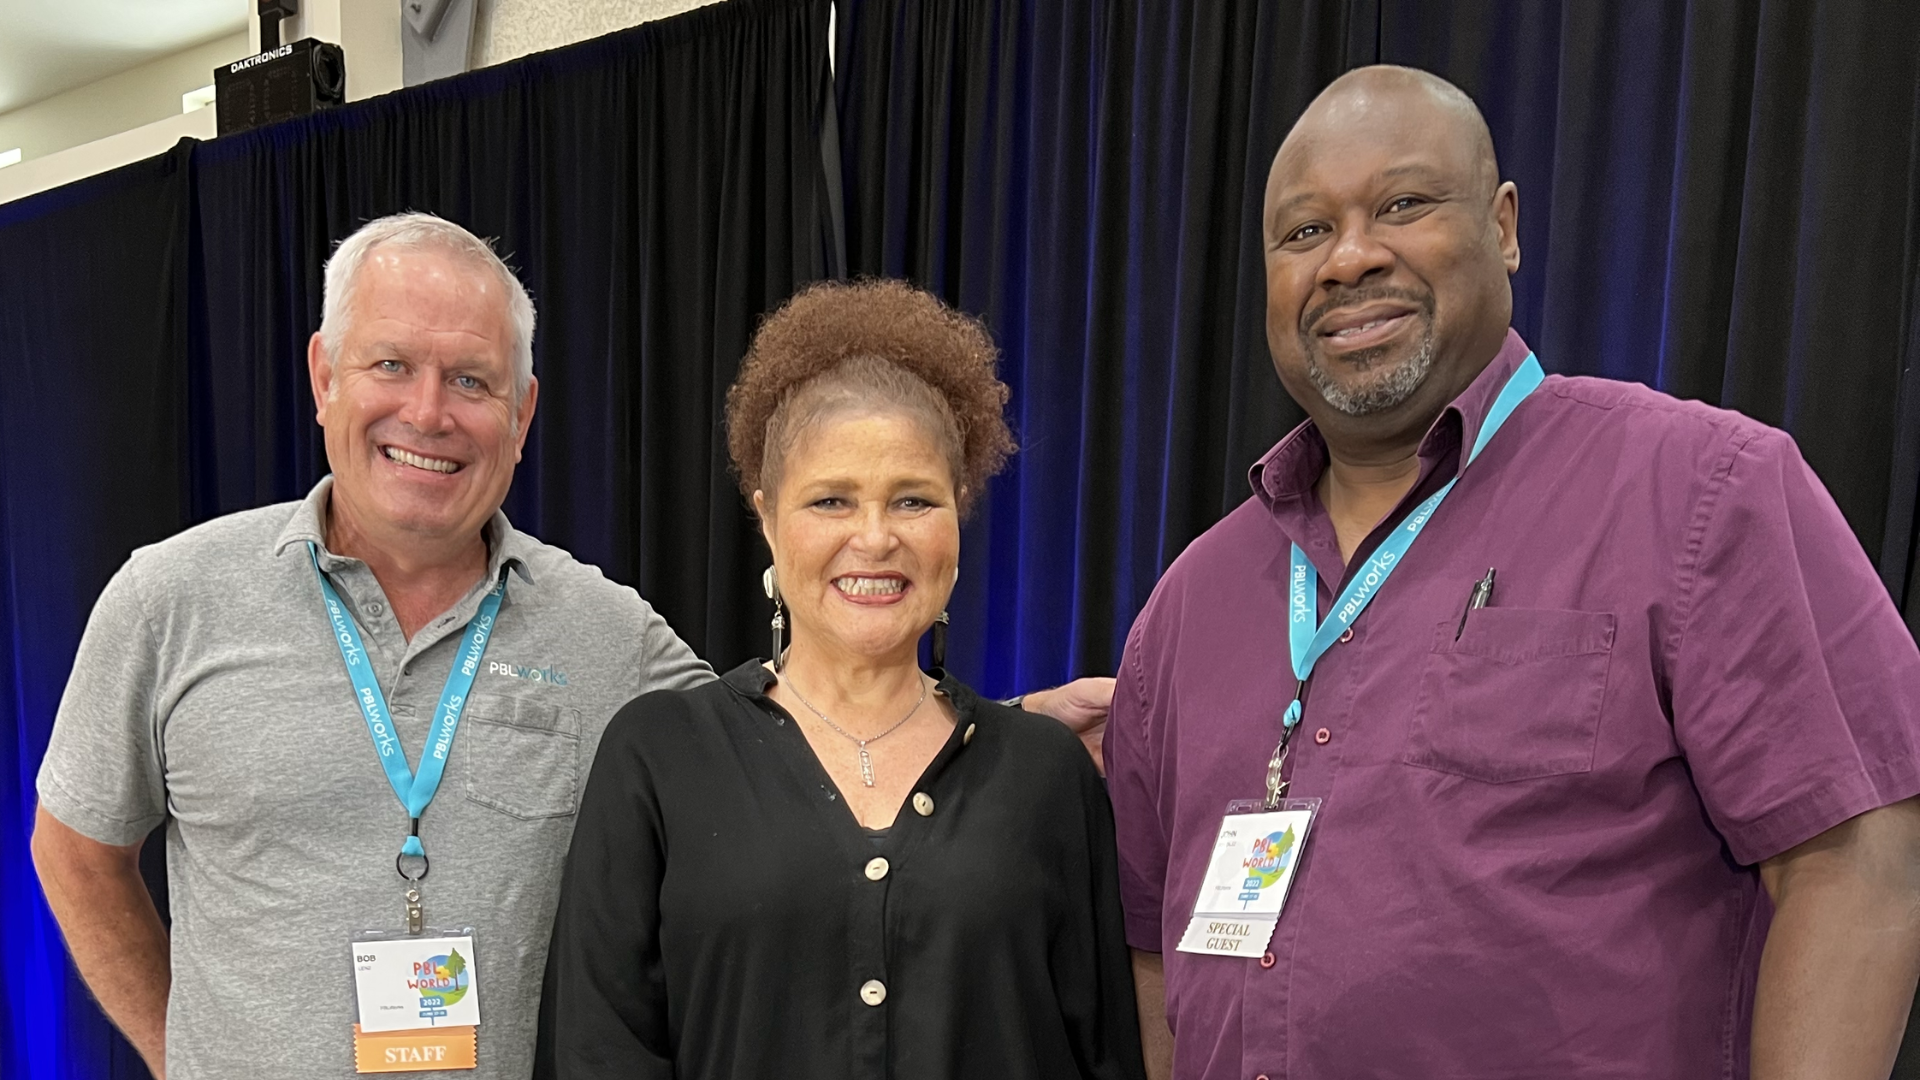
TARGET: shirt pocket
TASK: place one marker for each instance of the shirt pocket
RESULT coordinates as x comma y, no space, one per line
523,759
1517,697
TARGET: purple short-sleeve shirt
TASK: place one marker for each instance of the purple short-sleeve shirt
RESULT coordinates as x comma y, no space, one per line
1536,854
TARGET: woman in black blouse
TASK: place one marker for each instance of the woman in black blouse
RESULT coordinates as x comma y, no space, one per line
832,865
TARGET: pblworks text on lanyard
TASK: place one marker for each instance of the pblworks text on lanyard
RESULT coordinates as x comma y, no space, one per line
414,789
1307,643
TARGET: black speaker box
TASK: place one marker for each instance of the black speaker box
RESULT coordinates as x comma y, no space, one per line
296,79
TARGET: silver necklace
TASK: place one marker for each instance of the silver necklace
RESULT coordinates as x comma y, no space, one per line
866,761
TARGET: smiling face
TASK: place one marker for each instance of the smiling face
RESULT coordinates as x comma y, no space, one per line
1388,246
865,533
422,428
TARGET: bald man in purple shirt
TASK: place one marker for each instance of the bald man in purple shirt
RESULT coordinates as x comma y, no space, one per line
1635,802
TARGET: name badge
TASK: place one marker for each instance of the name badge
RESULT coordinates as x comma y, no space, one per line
419,1001
1245,887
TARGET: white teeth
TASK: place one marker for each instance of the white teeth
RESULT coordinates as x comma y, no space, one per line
869,586
1358,329
394,453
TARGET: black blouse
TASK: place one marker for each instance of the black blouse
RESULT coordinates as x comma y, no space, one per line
724,915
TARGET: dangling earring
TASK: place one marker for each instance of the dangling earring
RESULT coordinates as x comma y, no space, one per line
779,620
940,624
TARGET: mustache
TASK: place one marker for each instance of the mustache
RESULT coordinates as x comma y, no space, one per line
1365,295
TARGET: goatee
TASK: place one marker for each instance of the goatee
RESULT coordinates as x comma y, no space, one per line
1376,391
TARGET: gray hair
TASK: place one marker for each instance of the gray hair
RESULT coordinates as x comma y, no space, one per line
424,232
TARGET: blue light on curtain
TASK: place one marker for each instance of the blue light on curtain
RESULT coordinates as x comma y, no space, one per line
1717,198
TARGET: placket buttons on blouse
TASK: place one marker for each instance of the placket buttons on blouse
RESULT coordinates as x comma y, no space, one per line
876,869
873,991
923,804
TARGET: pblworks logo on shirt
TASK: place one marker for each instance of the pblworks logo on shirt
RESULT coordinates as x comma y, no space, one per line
548,674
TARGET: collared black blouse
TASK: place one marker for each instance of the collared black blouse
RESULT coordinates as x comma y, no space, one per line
724,915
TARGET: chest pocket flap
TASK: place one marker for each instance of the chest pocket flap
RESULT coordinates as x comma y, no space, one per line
523,758
1517,697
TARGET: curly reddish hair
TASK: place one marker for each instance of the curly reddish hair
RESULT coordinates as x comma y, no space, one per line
865,344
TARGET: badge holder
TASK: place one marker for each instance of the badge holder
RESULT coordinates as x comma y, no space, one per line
418,991
1252,866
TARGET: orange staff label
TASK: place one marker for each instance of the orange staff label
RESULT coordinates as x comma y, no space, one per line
414,1050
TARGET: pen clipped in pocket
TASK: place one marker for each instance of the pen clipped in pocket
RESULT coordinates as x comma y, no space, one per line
1518,696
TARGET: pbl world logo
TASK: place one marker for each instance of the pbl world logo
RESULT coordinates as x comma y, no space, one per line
1267,863
441,980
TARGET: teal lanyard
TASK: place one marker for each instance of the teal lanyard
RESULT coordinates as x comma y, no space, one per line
415,790
1306,642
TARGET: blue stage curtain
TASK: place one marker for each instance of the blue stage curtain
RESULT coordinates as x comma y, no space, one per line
93,334
1719,198
1086,177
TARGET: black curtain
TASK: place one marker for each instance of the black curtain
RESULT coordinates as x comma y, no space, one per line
93,366
1086,177
657,190
1720,199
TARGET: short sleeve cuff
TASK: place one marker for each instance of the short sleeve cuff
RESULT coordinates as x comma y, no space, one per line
1801,820
1143,932
87,821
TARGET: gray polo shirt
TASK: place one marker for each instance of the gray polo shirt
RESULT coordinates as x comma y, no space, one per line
208,693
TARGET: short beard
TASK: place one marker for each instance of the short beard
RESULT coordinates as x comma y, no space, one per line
1385,389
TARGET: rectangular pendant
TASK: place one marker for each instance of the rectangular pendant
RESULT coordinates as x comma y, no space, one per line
866,768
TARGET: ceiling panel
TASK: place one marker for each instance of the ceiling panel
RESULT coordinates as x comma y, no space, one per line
50,46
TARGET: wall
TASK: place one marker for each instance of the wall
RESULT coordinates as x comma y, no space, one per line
117,103
506,29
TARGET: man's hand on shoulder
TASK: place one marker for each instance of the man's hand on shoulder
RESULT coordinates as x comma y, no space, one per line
1082,705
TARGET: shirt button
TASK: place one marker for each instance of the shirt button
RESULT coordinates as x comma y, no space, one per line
1323,736
967,737
1262,1076
923,804
873,991
1347,634
1266,959
376,608
876,869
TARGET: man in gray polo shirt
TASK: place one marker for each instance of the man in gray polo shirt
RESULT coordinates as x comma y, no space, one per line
212,692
